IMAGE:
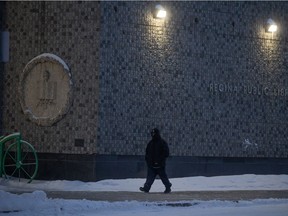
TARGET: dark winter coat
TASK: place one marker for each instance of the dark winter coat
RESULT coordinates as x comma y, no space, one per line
157,151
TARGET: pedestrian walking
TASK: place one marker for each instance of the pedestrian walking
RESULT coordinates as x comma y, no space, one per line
156,154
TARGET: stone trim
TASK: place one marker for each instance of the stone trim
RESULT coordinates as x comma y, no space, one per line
45,98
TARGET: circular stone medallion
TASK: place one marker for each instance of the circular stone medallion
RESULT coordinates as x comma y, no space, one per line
45,89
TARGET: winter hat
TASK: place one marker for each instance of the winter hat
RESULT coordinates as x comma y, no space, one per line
155,131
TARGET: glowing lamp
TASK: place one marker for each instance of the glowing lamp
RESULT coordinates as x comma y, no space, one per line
159,12
271,26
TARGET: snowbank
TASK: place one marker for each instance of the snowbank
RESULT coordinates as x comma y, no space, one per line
36,203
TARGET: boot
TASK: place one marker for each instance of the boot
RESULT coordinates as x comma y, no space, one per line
144,190
167,190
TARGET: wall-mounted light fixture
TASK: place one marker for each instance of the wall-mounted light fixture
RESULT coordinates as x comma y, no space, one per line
271,26
159,12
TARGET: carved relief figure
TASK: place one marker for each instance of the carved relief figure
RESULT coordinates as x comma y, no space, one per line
47,90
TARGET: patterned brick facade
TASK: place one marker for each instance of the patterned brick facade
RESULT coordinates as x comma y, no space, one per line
69,30
208,76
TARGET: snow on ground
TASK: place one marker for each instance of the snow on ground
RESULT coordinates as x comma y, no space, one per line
36,203
218,183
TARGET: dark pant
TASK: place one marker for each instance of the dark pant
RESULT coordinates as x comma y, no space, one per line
151,175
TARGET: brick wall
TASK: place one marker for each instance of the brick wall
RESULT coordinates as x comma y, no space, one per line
69,30
209,76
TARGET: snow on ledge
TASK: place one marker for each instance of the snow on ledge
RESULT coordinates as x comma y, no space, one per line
51,56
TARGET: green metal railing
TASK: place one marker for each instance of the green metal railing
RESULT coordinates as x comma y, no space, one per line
18,158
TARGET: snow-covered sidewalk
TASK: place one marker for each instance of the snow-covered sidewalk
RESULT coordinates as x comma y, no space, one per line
218,183
36,202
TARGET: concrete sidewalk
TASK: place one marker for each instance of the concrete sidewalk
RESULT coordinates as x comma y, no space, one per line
172,197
